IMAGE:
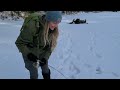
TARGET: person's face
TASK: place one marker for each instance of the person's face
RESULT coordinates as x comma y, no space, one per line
53,25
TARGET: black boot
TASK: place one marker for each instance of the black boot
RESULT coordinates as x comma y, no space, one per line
46,75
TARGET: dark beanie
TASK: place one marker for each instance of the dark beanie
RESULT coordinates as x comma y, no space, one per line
54,16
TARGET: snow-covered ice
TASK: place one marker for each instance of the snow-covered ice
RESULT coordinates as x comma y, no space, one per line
84,51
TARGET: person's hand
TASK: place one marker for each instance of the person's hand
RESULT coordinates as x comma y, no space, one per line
32,57
43,62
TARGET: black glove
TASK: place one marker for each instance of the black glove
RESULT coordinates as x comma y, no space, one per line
43,62
32,57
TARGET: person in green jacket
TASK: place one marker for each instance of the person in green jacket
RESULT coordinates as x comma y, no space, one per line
37,40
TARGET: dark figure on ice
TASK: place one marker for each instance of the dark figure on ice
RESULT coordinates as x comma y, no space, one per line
78,21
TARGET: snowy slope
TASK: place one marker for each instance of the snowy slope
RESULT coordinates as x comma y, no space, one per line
84,51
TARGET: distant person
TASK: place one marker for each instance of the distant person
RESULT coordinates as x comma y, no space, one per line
78,21
37,40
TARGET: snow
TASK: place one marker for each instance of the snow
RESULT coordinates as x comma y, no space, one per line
84,51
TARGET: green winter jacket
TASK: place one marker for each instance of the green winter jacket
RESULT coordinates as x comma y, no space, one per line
29,40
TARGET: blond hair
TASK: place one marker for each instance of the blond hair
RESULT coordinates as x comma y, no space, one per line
51,38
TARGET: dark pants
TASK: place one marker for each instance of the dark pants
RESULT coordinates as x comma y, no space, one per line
33,69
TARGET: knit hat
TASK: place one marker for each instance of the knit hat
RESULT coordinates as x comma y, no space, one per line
54,16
